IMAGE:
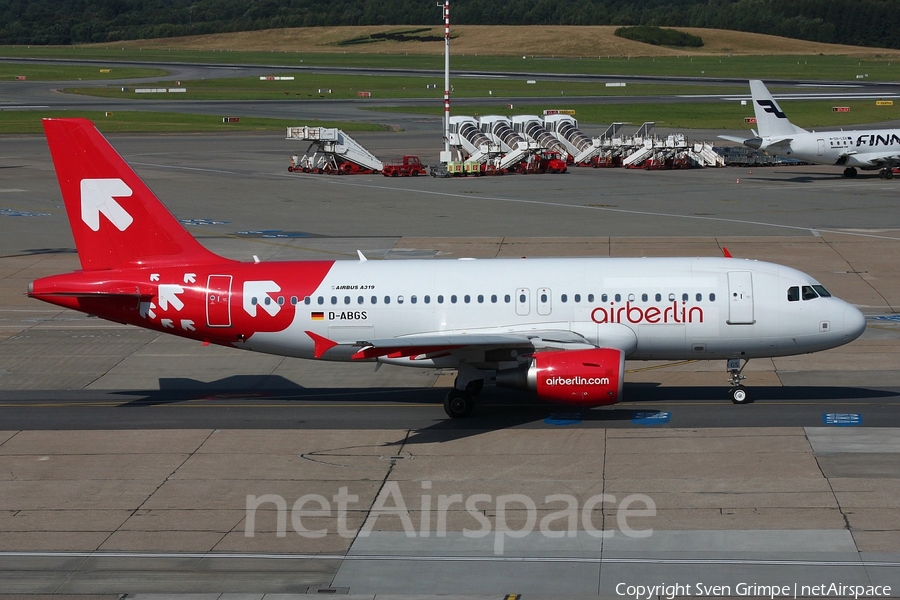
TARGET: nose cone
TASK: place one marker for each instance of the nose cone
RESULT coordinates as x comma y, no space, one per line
854,323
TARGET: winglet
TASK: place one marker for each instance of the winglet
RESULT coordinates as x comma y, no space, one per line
726,253
362,257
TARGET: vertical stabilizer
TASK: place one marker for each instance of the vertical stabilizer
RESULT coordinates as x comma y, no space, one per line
116,220
770,119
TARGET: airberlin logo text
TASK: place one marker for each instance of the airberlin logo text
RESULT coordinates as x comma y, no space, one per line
629,313
577,380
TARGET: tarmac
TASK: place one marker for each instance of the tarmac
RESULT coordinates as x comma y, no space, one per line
145,465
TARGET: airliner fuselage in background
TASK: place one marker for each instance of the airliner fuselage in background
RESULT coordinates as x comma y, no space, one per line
561,327
868,149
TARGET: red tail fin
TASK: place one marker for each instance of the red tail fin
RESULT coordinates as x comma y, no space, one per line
115,218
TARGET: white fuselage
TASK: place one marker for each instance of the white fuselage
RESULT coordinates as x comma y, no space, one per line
870,149
651,308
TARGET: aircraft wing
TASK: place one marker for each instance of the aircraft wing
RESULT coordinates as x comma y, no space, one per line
777,143
457,342
888,160
732,138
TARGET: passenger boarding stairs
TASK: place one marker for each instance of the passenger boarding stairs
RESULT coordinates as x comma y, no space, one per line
516,147
465,134
565,129
532,128
703,154
335,147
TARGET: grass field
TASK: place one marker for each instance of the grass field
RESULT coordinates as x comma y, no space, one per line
807,114
807,67
157,122
37,72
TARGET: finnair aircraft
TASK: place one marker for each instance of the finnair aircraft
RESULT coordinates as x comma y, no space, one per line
561,327
869,149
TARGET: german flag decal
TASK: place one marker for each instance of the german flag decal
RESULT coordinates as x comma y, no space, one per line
317,316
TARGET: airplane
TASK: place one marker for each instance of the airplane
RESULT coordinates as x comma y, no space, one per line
560,327
868,149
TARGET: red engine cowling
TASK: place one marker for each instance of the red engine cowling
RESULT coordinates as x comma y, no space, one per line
592,377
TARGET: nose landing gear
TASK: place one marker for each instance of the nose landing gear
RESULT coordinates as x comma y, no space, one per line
738,392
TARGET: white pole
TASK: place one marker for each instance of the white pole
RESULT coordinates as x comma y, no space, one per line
446,77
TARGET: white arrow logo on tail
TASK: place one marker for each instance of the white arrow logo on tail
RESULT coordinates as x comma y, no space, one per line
167,323
256,293
190,277
188,325
99,196
168,294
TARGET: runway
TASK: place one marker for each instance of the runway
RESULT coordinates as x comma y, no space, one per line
127,458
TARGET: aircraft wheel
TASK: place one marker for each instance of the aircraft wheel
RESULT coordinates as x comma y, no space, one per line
739,395
458,404
290,169
850,172
888,174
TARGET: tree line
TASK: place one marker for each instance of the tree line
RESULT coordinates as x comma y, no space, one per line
856,22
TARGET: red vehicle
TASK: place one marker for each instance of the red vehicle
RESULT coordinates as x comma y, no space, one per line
408,166
552,162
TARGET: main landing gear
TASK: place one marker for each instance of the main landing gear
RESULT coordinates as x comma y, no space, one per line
850,172
738,392
886,173
459,403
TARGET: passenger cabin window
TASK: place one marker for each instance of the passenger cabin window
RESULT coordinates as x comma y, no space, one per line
604,298
577,297
591,298
480,299
618,297
467,299
427,299
507,298
374,299
453,299
494,298
399,299
334,299
413,299
294,300
387,299
307,300
440,299
643,297
562,298
320,300
684,297
699,297
346,299
360,300
659,297
794,293
712,297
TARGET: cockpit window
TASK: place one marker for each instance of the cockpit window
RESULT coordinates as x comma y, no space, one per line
793,294
822,291
809,293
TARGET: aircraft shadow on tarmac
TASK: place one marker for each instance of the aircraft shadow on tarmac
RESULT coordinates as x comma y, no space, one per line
276,387
810,177
497,408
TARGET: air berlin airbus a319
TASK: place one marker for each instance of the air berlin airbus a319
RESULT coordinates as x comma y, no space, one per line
561,327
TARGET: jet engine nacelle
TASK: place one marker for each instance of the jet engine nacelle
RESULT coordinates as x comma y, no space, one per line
592,377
